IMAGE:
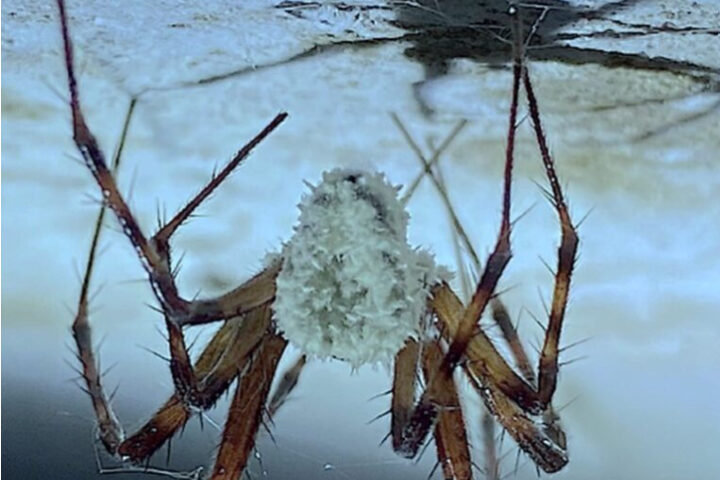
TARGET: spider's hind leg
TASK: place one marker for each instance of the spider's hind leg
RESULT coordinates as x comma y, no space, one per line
247,409
449,430
451,441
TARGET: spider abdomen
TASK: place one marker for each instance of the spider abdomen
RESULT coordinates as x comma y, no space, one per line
350,286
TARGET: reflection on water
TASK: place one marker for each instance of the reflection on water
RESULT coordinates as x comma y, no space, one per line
644,290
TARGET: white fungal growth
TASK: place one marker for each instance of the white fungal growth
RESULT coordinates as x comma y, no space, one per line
350,286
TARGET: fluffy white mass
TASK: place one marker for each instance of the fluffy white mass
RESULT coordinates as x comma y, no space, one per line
350,286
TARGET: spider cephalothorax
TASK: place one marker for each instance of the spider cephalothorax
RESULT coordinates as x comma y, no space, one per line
346,285
350,286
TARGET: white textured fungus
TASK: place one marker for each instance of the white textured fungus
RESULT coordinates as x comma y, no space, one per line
350,286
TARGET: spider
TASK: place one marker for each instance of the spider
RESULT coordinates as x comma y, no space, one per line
348,286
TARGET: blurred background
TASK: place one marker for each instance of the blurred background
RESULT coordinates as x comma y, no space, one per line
628,91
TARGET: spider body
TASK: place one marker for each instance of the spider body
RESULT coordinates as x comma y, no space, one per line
350,286
347,285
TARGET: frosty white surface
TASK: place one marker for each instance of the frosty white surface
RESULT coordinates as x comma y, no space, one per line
351,287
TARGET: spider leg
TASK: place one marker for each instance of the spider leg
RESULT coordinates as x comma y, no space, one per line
513,400
225,356
158,271
541,438
162,237
567,251
499,312
246,410
154,253
425,412
217,365
171,417
501,317
451,441
257,291
449,432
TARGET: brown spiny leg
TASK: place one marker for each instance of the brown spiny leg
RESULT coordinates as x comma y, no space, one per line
450,435
537,433
550,419
257,291
246,410
523,410
225,356
154,253
526,413
501,317
217,365
499,312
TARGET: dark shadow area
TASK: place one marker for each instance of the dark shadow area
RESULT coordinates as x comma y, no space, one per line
481,31
441,31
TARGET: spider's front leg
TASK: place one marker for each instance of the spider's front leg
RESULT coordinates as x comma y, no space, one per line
220,362
154,252
519,405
